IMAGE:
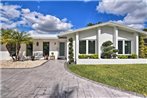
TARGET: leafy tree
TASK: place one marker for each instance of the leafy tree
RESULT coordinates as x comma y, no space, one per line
8,40
145,29
21,38
91,24
108,50
13,39
141,47
71,59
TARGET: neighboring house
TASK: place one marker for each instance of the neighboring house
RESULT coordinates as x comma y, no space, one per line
42,45
87,40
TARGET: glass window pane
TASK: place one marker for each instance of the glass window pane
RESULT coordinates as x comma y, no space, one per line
91,47
120,47
82,47
127,47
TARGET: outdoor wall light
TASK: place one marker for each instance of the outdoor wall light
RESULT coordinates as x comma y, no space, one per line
37,43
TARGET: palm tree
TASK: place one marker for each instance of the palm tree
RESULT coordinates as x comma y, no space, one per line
7,39
21,38
13,38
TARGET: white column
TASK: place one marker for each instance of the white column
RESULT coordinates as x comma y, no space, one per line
98,42
67,49
115,38
136,43
77,47
87,47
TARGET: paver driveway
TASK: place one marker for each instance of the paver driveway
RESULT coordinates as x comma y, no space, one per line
51,80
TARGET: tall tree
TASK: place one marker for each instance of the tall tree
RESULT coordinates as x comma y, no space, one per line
13,38
7,39
145,29
71,59
90,24
21,38
141,47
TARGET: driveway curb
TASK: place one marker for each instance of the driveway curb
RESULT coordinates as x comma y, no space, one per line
27,68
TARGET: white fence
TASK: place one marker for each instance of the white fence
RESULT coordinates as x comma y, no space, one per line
112,61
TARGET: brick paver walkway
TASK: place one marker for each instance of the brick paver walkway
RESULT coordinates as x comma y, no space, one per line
51,80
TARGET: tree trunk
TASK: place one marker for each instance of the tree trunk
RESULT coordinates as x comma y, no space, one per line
17,51
9,47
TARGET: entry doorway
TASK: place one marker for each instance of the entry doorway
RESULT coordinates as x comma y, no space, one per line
29,49
46,48
62,49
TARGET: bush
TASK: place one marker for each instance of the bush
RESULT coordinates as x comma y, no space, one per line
123,56
132,56
108,50
71,59
90,56
83,56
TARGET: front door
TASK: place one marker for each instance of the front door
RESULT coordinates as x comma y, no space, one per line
62,49
29,49
46,48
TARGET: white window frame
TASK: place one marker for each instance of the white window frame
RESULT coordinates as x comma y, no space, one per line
87,45
123,44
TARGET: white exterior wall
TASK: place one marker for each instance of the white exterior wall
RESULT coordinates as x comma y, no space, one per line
107,34
111,61
124,35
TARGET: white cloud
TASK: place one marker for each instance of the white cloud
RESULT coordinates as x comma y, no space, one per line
9,11
45,23
13,16
135,11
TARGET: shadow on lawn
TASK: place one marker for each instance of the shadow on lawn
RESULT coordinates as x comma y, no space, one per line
59,93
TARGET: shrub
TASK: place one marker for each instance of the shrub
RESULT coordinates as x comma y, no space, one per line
123,56
83,56
132,56
141,47
108,50
90,56
71,59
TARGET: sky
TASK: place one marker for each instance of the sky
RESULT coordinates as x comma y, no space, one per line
53,17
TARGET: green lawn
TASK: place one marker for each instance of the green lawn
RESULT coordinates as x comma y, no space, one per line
127,77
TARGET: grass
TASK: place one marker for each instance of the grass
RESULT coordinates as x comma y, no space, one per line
126,77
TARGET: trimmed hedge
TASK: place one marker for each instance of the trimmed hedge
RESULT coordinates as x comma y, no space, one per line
89,56
132,56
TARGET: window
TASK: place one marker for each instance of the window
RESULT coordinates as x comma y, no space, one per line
127,47
120,47
82,47
91,47
124,47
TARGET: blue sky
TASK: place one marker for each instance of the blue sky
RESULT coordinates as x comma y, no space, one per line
75,14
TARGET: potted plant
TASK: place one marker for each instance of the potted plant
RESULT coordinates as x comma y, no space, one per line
52,57
32,57
46,57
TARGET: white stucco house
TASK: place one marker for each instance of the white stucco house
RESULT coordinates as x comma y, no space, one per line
86,40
